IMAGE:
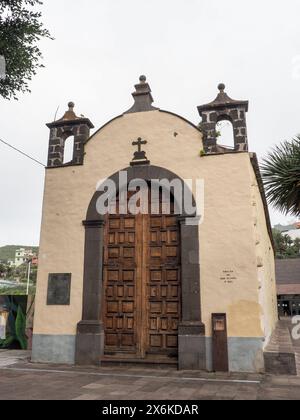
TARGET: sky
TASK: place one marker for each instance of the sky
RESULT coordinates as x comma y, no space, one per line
184,47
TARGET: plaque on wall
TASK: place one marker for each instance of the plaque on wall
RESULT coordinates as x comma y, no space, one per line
59,289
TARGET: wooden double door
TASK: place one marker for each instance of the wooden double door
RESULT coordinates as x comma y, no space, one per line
142,286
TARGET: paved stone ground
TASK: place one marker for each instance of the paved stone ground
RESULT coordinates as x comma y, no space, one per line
8,357
21,380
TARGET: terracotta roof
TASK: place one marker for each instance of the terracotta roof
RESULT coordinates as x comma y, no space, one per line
288,289
69,118
288,272
223,100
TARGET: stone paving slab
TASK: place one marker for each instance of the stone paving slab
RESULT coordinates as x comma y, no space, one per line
12,357
22,380
38,384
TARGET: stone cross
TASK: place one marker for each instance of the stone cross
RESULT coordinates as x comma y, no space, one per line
139,156
139,143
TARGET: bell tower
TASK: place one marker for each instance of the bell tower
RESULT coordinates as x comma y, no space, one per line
68,126
223,108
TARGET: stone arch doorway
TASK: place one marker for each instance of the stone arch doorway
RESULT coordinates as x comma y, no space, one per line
90,340
142,285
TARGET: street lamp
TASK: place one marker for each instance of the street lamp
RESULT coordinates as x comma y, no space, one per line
28,276
4,313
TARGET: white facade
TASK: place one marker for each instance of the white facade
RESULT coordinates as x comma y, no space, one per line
22,255
293,234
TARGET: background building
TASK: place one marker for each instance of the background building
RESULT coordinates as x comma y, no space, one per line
288,286
293,230
23,255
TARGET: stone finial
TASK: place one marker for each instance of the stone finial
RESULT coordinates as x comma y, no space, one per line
142,97
221,87
70,114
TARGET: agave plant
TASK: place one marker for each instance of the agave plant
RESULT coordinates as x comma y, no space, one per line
16,326
281,175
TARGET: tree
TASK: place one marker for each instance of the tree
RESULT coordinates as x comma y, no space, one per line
20,31
279,242
284,245
9,271
2,269
297,246
281,174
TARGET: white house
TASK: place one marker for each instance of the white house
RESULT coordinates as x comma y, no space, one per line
22,255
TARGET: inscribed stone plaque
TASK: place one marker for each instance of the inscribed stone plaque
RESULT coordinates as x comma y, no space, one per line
59,289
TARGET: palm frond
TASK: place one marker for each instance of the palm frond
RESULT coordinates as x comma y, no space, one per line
281,175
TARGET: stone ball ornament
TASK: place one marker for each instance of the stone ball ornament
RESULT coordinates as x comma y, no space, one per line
221,87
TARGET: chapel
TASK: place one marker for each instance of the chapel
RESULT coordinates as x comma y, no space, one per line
191,286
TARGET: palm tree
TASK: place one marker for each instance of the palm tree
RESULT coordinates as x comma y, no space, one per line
281,174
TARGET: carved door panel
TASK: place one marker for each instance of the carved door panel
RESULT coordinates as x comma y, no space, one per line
120,279
163,285
142,294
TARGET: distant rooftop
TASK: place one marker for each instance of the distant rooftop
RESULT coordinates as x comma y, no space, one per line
288,271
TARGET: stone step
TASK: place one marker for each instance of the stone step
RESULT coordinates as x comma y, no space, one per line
280,357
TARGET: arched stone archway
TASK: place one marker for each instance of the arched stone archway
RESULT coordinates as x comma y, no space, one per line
90,332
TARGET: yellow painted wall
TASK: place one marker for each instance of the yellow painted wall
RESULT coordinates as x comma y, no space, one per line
227,234
265,264
227,248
